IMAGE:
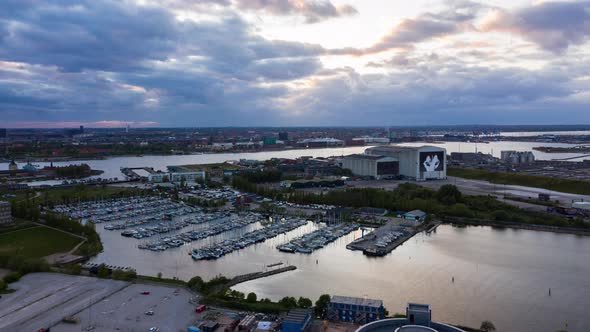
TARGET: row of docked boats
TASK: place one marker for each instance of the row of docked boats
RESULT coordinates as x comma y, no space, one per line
166,227
109,210
225,247
317,239
235,221
148,231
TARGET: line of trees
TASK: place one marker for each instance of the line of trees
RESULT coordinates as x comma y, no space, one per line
447,201
73,171
215,291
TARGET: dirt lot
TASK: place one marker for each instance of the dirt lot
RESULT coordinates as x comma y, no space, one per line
43,299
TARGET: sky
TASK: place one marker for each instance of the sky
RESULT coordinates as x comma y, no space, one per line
202,63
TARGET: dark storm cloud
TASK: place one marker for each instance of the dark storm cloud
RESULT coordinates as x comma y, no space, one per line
87,60
103,35
552,25
445,92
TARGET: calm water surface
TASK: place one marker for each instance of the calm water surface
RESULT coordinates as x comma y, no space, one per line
500,274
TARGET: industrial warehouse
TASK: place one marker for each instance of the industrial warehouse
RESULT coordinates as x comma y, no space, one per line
387,162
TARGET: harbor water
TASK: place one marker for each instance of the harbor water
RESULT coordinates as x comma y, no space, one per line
499,274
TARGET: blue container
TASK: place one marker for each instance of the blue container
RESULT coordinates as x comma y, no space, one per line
193,329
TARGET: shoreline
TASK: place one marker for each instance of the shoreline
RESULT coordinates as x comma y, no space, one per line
66,159
531,227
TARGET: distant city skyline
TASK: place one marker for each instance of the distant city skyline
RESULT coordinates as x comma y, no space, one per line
217,63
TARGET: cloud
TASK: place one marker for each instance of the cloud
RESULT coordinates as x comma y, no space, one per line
102,35
313,10
444,90
93,61
453,19
70,124
554,26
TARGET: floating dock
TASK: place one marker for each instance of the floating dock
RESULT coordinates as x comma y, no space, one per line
384,239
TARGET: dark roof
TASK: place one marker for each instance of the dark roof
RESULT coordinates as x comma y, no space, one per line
364,156
210,324
357,301
419,307
297,316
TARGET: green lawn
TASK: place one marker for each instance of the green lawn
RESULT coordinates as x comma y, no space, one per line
562,185
37,242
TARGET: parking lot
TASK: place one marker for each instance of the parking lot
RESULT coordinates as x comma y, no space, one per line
166,308
44,299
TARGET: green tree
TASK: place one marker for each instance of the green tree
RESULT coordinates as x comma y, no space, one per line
321,305
251,297
288,302
304,303
159,275
487,326
196,283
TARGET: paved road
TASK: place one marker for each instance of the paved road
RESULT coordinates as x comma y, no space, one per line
478,187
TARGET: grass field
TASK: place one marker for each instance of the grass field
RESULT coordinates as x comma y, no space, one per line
561,185
36,242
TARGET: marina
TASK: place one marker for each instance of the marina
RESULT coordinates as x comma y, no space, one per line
307,243
126,212
225,247
235,221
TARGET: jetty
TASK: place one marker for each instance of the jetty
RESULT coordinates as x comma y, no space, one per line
257,275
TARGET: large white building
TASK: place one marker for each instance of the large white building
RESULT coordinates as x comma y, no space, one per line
419,163
378,167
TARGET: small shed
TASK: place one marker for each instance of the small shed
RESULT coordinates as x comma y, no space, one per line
417,215
297,320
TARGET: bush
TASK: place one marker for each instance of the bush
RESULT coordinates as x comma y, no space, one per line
12,277
74,269
2,285
126,275
103,271
501,215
